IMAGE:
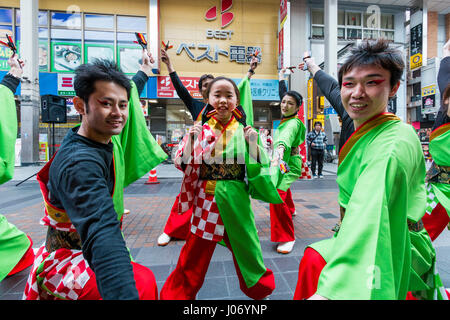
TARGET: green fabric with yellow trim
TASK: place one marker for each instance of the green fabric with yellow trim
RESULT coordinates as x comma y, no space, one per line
440,151
381,185
13,242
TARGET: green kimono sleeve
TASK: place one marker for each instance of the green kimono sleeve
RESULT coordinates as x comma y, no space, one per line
370,257
246,99
13,242
440,151
259,177
8,134
135,151
289,134
141,151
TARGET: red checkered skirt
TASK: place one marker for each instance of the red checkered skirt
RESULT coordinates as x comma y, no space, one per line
61,274
206,221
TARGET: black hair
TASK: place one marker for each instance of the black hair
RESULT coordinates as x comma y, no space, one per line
294,94
375,53
203,78
317,123
236,89
99,70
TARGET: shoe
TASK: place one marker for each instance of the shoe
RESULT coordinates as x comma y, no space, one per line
295,213
314,176
285,247
320,176
126,211
163,240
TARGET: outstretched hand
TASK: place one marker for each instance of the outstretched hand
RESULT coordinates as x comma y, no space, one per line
16,66
147,62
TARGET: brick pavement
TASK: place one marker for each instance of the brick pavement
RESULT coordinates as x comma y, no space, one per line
149,205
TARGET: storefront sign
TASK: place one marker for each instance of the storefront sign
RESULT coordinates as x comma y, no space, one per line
236,53
65,84
428,99
310,99
165,88
283,12
263,89
416,38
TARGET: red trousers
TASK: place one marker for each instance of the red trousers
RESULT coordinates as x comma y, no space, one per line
178,225
435,222
188,277
26,260
281,224
145,284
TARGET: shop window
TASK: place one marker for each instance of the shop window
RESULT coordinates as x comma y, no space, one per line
129,54
6,16
95,21
354,33
43,49
4,29
68,20
261,114
388,35
341,17
387,21
138,24
318,32
370,34
353,19
65,50
98,45
317,16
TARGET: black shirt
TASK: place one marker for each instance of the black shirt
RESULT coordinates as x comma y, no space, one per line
81,181
194,106
330,88
10,82
443,80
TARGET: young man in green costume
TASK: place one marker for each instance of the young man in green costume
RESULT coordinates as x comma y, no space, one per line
216,157
16,252
381,250
85,256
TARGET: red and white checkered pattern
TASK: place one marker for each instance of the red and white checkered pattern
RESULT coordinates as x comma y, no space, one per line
306,173
203,146
206,221
63,272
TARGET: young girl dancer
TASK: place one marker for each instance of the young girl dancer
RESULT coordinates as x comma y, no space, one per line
215,158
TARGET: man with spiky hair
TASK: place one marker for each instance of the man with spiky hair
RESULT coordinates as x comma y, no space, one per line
381,249
85,256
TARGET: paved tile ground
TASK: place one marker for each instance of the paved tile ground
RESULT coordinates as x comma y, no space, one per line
149,205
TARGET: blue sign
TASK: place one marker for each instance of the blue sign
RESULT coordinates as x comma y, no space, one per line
329,110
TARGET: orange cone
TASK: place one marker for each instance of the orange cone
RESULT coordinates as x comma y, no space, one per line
152,178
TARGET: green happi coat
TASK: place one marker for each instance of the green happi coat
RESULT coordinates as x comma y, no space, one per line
290,134
375,255
440,151
13,242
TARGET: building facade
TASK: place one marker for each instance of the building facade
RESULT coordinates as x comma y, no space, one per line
217,37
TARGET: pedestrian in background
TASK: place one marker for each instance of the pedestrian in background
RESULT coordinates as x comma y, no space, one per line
317,141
